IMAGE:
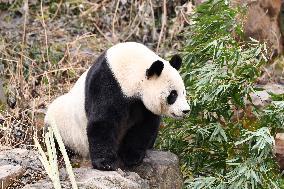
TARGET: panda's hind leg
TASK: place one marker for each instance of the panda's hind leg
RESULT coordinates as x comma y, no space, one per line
137,140
70,152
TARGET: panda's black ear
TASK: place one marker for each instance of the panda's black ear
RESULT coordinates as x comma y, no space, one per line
155,69
176,61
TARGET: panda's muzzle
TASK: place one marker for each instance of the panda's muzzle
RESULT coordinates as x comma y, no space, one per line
177,116
185,111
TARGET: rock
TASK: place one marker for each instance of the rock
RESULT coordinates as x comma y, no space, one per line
9,173
158,170
274,88
261,22
273,73
161,169
279,149
91,178
260,98
18,156
46,184
24,165
263,98
87,177
4,147
198,2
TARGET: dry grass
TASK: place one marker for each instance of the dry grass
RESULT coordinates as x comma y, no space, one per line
45,47
24,117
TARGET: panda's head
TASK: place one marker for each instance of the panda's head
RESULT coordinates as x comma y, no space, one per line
163,90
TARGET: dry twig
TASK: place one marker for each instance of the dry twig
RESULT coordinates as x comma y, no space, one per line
45,33
102,33
153,17
114,18
164,20
57,10
20,66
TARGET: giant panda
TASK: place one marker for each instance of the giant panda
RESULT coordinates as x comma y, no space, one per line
113,112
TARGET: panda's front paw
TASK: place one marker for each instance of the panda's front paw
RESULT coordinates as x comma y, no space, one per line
105,164
132,158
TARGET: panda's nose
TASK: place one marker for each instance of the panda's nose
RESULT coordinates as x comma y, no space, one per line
185,111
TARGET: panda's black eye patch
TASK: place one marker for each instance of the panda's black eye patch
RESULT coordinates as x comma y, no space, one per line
172,97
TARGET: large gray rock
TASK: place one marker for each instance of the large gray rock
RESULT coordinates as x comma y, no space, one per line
19,165
88,178
19,156
278,150
260,98
161,170
274,88
158,170
9,173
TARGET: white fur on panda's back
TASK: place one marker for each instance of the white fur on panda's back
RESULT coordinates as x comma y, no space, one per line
68,113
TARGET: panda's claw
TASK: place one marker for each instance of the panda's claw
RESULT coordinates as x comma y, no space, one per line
105,164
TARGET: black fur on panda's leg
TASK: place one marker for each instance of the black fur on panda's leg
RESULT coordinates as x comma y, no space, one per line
102,146
138,139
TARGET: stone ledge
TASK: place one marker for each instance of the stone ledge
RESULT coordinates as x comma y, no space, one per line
9,173
20,165
158,170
